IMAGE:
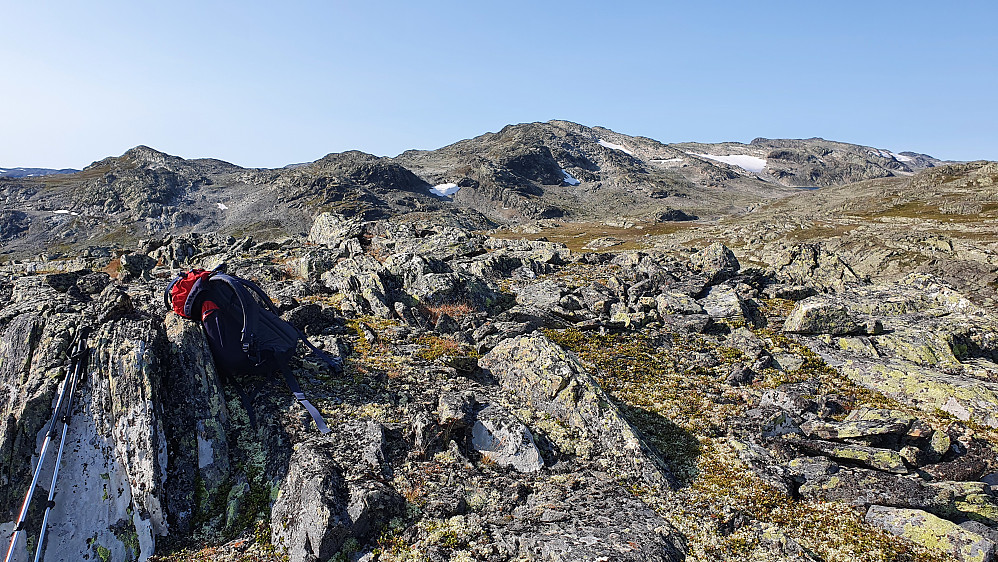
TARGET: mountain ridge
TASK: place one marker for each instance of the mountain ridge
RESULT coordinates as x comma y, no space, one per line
524,172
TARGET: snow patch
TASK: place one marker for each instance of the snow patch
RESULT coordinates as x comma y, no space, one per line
62,212
445,189
615,147
744,161
569,179
222,206
902,157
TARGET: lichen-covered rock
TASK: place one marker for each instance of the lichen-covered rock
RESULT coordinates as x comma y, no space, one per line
331,229
724,303
858,426
814,316
863,487
545,294
677,303
136,264
933,532
198,422
504,440
334,490
880,459
812,265
585,519
716,261
546,378
126,368
964,397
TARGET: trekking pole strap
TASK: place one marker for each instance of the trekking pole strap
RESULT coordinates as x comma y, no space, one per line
292,382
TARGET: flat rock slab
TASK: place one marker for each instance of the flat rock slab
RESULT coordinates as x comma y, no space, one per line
856,428
964,397
879,459
590,518
933,532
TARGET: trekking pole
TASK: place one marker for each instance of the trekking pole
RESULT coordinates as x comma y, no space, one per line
66,384
82,358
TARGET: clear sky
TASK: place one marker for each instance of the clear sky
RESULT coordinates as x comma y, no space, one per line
266,84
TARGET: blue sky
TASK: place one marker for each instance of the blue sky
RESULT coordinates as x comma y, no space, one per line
262,84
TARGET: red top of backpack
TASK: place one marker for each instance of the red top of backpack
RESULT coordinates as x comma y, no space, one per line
180,290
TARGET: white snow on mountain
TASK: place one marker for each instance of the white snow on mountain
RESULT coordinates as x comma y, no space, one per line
615,147
902,157
744,161
61,212
569,179
222,206
445,189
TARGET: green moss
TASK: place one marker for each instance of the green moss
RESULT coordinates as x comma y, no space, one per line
103,553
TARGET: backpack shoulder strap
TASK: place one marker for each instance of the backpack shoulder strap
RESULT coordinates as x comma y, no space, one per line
263,296
292,382
249,307
335,363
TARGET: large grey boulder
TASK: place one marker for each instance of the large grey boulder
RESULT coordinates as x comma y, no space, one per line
504,440
724,303
717,262
540,374
817,316
335,490
330,229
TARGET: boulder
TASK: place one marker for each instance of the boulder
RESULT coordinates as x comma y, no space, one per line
813,316
724,303
859,426
546,378
886,460
501,438
585,518
544,294
933,533
716,262
330,229
812,265
330,494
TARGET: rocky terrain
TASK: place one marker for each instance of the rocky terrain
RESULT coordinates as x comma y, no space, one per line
816,379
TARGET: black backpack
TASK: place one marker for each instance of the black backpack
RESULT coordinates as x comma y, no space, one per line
245,332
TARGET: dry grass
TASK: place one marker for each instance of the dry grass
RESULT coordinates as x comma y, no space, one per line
459,310
575,235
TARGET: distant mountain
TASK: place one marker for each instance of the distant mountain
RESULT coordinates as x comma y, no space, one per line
522,173
32,172
559,169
